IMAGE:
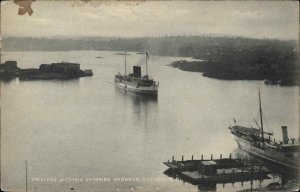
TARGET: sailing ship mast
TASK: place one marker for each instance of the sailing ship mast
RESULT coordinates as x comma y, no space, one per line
261,120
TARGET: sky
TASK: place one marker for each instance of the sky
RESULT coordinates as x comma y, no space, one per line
256,19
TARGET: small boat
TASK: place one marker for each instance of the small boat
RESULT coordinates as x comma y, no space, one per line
137,83
272,81
257,142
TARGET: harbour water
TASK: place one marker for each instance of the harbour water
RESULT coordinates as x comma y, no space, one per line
86,129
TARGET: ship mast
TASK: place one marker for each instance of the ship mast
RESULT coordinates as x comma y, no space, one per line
261,120
125,62
147,63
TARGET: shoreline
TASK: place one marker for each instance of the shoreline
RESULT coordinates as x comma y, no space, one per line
221,70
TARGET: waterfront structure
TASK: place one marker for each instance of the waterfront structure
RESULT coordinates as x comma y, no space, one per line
63,70
63,67
9,70
211,171
9,65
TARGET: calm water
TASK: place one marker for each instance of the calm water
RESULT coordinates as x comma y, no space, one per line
86,128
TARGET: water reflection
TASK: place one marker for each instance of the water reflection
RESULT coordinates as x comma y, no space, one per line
252,183
136,96
143,107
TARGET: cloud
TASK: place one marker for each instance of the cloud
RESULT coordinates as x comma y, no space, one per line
153,18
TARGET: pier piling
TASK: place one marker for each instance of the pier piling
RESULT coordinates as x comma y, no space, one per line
230,156
173,158
220,156
211,157
202,157
182,158
192,157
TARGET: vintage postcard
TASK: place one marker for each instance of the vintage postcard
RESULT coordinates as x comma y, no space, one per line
149,96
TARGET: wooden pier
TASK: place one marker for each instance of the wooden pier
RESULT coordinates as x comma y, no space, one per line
221,170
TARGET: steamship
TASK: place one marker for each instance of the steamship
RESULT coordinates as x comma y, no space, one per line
137,83
259,143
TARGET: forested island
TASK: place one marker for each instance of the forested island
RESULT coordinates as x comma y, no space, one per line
285,72
225,57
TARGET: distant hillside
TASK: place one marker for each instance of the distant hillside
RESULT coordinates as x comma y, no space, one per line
195,46
227,57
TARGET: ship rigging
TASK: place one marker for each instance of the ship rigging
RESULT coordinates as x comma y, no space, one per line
252,140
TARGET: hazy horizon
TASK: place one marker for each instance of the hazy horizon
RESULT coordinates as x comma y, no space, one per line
140,37
77,19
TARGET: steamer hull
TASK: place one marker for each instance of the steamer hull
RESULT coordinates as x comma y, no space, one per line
149,90
269,152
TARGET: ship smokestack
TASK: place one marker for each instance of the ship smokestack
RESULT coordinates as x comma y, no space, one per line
285,138
137,71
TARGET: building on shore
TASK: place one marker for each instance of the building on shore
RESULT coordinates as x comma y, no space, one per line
63,67
63,70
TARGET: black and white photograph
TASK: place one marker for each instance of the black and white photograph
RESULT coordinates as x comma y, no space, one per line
149,96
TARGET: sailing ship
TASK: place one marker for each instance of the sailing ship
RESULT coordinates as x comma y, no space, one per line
137,83
260,144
